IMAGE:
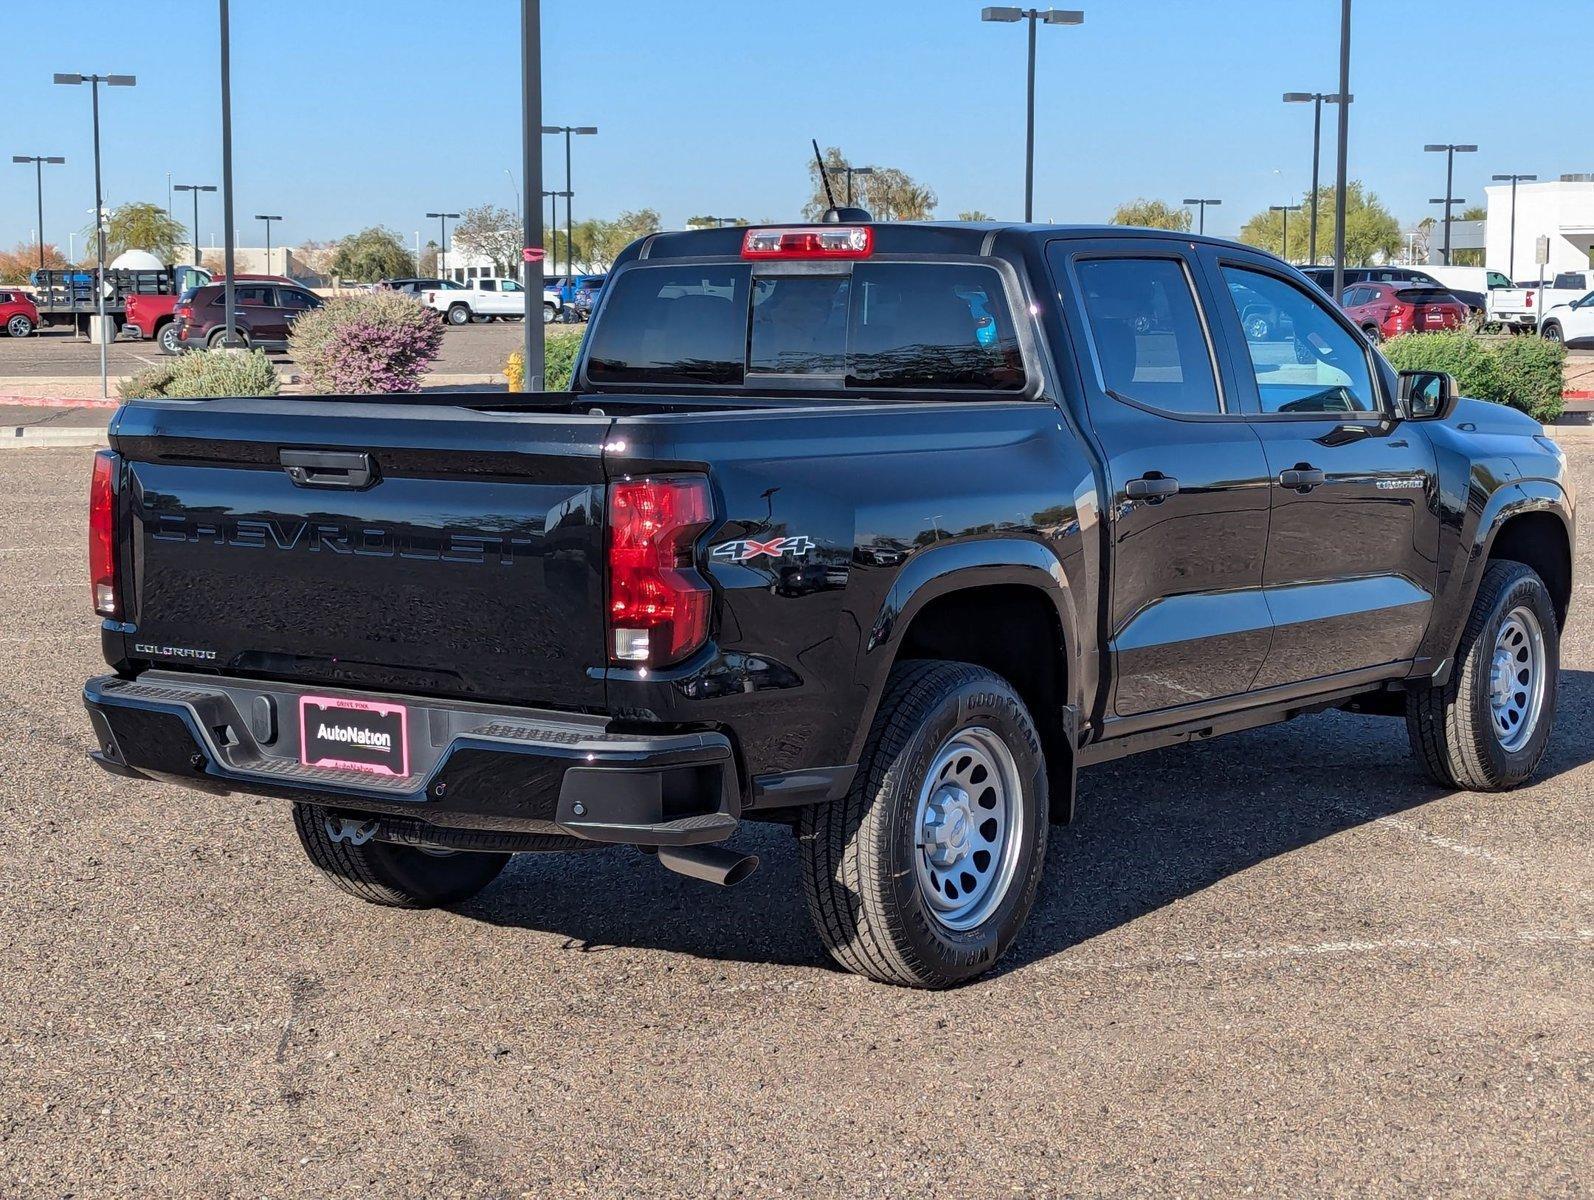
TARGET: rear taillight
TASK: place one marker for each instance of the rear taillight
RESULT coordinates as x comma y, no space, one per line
1530,299
840,241
658,603
102,534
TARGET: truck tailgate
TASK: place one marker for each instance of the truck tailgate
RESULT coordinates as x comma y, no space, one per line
469,564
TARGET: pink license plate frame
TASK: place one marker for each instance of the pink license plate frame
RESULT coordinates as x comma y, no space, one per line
378,708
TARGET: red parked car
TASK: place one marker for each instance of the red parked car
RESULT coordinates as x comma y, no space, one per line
1386,310
18,316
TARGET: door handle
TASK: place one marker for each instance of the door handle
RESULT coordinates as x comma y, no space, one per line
1303,477
328,468
1152,486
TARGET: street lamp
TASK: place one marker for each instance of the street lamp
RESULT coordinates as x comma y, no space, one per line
1449,150
1202,205
268,221
1515,179
531,232
38,161
553,220
196,188
1284,211
1449,202
850,171
1051,16
443,218
94,82
1317,100
570,220
1341,151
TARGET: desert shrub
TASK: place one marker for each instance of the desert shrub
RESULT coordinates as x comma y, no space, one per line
1459,351
1532,376
204,374
560,356
366,343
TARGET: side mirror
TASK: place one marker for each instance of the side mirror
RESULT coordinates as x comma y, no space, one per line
1428,395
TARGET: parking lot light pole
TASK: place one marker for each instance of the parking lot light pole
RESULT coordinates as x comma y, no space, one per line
1051,16
1515,179
1284,211
850,172
229,339
569,193
1449,150
1341,151
196,188
1449,202
532,233
443,218
553,221
1201,206
1317,99
268,221
38,161
94,82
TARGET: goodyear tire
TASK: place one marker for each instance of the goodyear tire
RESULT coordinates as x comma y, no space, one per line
925,872
397,876
1487,728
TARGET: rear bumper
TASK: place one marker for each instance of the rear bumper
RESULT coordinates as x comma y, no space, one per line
475,767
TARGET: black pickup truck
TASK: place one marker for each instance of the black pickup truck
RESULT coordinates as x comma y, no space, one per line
879,531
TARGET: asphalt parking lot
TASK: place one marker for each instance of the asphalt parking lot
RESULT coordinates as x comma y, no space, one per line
467,350
1277,964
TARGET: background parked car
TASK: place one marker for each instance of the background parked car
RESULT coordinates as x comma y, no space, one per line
264,314
1470,285
1519,307
18,315
1323,277
484,299
416,286
1571,323
1386,310
152,316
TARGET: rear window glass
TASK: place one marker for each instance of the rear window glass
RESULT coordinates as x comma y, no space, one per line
1425,295
673,324
878,326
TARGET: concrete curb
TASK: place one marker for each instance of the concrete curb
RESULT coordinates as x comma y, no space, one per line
32,437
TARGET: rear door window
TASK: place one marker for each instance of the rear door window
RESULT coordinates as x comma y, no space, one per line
1149,342
920,325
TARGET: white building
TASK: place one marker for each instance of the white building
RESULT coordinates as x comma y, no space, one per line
1562,210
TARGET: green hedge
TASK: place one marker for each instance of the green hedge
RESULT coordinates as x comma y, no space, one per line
560,355
1523,372
203,374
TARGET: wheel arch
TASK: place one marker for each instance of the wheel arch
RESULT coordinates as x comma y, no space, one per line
982,602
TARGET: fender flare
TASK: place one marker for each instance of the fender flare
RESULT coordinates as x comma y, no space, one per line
1516,499
950,567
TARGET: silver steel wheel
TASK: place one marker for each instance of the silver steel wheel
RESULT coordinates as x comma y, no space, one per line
1517,679
970,827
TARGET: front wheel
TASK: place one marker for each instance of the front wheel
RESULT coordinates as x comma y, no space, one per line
549,313
397,876
925,872
1486,729
20,325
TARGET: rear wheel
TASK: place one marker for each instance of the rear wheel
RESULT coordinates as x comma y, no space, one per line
548,314
1487,728
924,874
459,314
1374,334
218,336
167,338
1552,331
397,876
20,325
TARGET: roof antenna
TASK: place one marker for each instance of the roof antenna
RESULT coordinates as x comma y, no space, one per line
834,215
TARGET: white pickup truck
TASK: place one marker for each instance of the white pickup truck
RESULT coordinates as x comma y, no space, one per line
484,299
1520,308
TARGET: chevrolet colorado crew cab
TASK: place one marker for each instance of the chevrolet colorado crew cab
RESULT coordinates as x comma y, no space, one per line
880,531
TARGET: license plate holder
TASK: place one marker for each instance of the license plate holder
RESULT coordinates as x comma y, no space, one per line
369,737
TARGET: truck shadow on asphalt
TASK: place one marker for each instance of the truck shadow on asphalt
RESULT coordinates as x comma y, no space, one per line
1150,831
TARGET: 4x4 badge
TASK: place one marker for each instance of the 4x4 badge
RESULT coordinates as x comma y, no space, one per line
747,549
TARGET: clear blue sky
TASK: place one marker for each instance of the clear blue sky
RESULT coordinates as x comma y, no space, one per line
356,112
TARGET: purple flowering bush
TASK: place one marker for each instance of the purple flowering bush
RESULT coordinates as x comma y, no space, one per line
366,343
